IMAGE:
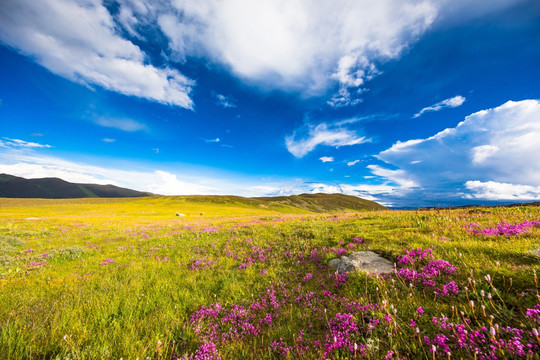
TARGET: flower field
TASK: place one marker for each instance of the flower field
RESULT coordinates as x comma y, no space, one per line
111,279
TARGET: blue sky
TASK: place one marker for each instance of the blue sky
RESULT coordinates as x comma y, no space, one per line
409,103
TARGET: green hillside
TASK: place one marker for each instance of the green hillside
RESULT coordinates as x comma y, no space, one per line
325,202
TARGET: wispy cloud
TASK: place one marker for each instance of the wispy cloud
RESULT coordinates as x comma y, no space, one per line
216,140
322,134
80,41
325,159
121,124
456,101
107,140
352,163
16,143
225,102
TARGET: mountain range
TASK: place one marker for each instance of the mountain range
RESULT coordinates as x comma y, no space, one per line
55,188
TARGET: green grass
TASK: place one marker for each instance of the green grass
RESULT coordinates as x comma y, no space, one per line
123,278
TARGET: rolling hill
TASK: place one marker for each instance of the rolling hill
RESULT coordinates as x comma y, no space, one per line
325,202
54,188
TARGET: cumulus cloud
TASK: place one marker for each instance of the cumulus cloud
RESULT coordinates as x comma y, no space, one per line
456,101
120,124
17,143
492,154
322,134
155,181
79,41
491,190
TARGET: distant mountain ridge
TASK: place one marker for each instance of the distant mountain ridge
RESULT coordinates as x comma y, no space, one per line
54,188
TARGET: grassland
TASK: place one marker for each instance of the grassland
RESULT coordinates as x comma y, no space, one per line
128,278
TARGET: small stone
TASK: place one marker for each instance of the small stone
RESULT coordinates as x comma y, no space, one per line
367,261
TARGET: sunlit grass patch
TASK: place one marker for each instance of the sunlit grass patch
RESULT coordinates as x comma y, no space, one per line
126,279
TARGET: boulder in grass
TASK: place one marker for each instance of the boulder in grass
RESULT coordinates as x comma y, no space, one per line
535,252
367,261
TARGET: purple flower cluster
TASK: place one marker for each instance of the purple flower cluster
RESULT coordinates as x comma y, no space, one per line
33,264
343,331
413,256
534,314
340,333
206,351
504,228
411,269
107,262
202,263
482,343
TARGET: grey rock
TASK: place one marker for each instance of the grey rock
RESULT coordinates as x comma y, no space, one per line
367,261
535,252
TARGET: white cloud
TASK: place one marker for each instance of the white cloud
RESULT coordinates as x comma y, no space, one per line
216,140
325,159
352,163
17,143
121,124
302,45
107,140
399,177
322,134
344,97
491,190
79,40
155,181
225,102
456,101
492,153
482,152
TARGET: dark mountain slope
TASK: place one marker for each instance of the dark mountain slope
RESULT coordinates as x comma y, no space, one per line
54,188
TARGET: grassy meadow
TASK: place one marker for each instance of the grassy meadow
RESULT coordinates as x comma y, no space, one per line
173,278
